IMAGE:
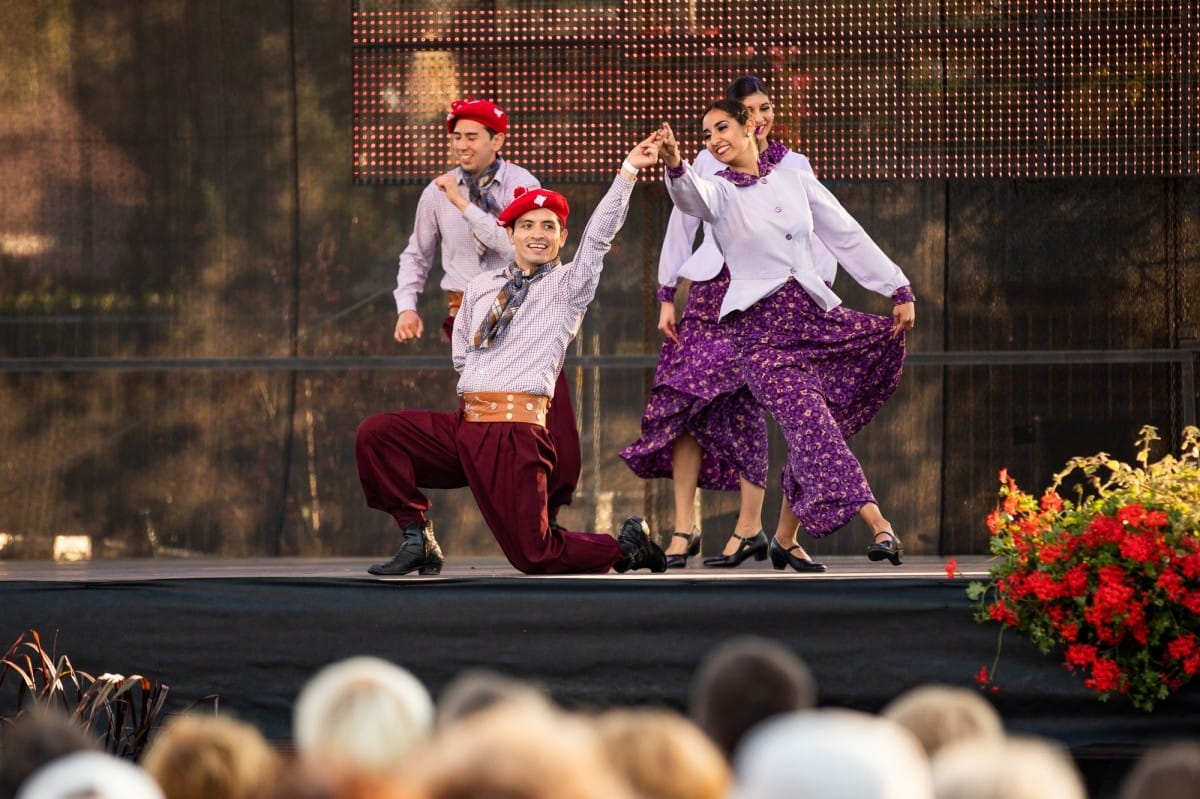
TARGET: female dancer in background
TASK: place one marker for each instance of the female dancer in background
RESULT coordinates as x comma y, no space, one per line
820,369
702,427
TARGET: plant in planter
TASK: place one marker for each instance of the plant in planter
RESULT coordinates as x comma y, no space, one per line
121,710
1111,579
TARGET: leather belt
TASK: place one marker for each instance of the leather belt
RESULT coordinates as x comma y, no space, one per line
453,302
505,406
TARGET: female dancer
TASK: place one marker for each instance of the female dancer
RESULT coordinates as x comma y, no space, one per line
821,369
702,427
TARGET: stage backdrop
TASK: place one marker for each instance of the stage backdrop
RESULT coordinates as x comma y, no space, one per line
204,203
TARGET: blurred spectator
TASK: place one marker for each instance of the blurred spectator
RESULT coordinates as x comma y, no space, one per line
474,690
831,754
745,681
361,716
301,780
663,755
33,739
941,714
211,757
518,750
1009,768
1168,771
90,775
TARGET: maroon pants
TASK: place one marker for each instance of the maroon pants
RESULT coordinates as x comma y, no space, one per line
560,421
507,466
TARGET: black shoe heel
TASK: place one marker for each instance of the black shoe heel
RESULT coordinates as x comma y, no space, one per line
679,561
753,547
782,558
890,550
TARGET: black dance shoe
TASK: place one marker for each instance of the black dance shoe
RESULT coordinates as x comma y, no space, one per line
755,546
782,558
419,552
693,549
639,551
889,549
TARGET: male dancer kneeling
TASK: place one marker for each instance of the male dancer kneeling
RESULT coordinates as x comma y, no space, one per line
510,340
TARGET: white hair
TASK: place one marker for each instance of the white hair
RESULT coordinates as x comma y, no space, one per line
94,775
361,714
831,754
1020,767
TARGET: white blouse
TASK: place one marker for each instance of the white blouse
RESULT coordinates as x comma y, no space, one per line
677,260
765,232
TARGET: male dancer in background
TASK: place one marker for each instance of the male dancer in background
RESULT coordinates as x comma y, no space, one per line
456,216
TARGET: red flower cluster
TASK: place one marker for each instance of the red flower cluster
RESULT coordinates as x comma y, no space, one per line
1113,584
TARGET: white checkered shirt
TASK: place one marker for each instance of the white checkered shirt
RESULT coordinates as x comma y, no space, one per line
530,354
441,226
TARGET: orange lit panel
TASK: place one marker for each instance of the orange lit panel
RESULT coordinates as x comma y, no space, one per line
875,89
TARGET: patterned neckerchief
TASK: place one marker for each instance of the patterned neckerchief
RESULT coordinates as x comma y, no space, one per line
477,185
507,301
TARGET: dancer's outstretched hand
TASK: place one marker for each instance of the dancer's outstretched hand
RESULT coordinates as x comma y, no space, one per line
645,152
669,146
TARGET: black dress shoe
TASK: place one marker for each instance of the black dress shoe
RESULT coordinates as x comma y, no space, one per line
693,549
890,549
419,552
782,558
753,547
639,551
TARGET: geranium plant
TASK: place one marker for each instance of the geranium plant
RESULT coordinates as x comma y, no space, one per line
1110,578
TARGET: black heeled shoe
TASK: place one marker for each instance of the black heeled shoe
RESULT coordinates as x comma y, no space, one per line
891,549
782,558
693,549
753,547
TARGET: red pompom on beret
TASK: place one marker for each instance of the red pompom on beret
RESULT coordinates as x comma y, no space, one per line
526,200
484,112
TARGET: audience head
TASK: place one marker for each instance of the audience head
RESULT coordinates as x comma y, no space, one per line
518,750
90,775
474,690
663,755
1006,768
35,738
745,681
831,754
941,714
1168,771
361,715
211,757
301,780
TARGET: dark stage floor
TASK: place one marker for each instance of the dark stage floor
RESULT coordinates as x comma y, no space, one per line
251,631
840,568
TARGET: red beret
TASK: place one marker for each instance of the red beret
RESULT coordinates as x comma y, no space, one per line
485,113
526,200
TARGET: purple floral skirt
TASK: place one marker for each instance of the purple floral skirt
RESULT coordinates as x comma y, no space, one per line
699,390
823,375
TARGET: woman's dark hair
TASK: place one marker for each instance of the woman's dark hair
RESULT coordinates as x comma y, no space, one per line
734,108
745,86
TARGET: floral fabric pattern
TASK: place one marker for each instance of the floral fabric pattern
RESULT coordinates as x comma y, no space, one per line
699,389
823,375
